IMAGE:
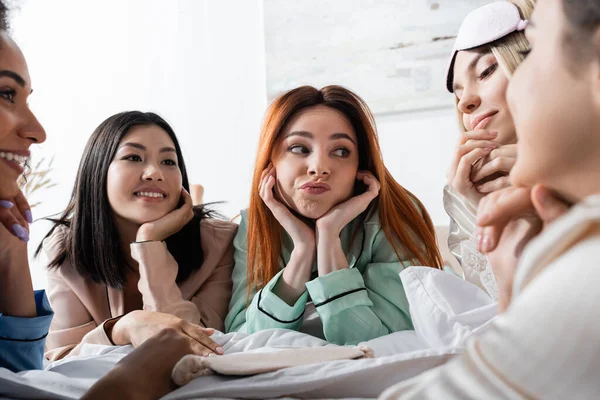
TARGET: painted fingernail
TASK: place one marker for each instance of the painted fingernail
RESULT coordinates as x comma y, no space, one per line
485,244
6,204
220,350
544,198
28,216
478,241
20,232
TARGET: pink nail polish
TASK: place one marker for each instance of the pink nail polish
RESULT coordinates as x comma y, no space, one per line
485,244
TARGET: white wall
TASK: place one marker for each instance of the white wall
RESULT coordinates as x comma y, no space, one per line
417,148
200,64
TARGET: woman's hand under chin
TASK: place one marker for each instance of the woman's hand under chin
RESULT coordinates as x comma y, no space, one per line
492,173
339,216
15,216
168,225
302,235
473,147
330,254
508,220
299,267
16,289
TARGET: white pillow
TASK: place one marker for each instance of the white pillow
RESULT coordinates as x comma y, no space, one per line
445,309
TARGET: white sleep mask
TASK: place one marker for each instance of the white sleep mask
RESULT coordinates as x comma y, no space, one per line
482,26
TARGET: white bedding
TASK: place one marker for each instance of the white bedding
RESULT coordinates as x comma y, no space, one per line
445,309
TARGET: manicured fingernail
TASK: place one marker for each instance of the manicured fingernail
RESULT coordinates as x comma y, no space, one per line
20,232
478,241
494,133
485,244
28,216
6,204
220,350
543,198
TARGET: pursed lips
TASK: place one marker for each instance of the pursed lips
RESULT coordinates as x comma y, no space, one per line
315,187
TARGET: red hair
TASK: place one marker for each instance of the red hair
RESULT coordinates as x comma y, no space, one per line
403,218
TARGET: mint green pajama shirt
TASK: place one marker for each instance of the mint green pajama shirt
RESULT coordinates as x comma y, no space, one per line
355,304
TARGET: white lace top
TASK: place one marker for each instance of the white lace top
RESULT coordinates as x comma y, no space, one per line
461,242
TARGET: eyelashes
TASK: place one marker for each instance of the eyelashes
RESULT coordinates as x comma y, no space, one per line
136,158
298,149
8,95
341,152
525,53
488,71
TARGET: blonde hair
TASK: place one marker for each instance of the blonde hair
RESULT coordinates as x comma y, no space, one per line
509,49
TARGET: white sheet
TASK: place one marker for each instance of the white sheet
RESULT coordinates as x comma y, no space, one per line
446,311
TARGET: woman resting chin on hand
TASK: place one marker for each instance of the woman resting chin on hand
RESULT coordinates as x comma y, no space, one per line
326,221
24,315
131,256
479,70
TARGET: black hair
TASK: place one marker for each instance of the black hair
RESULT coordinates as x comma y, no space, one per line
92,244
4,24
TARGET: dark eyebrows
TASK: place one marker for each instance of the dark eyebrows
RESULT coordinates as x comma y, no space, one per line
142,147
14,76
341,136
299,133
135,145
309,135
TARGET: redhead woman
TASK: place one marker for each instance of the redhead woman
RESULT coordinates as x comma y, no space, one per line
328,229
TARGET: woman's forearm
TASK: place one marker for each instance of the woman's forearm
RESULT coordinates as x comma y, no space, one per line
330,255
16,289
297,272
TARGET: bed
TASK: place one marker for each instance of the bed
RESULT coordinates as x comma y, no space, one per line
445,309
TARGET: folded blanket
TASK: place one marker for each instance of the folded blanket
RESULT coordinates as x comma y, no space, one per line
252,363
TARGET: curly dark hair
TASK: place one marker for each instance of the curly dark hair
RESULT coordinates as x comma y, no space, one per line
4,25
